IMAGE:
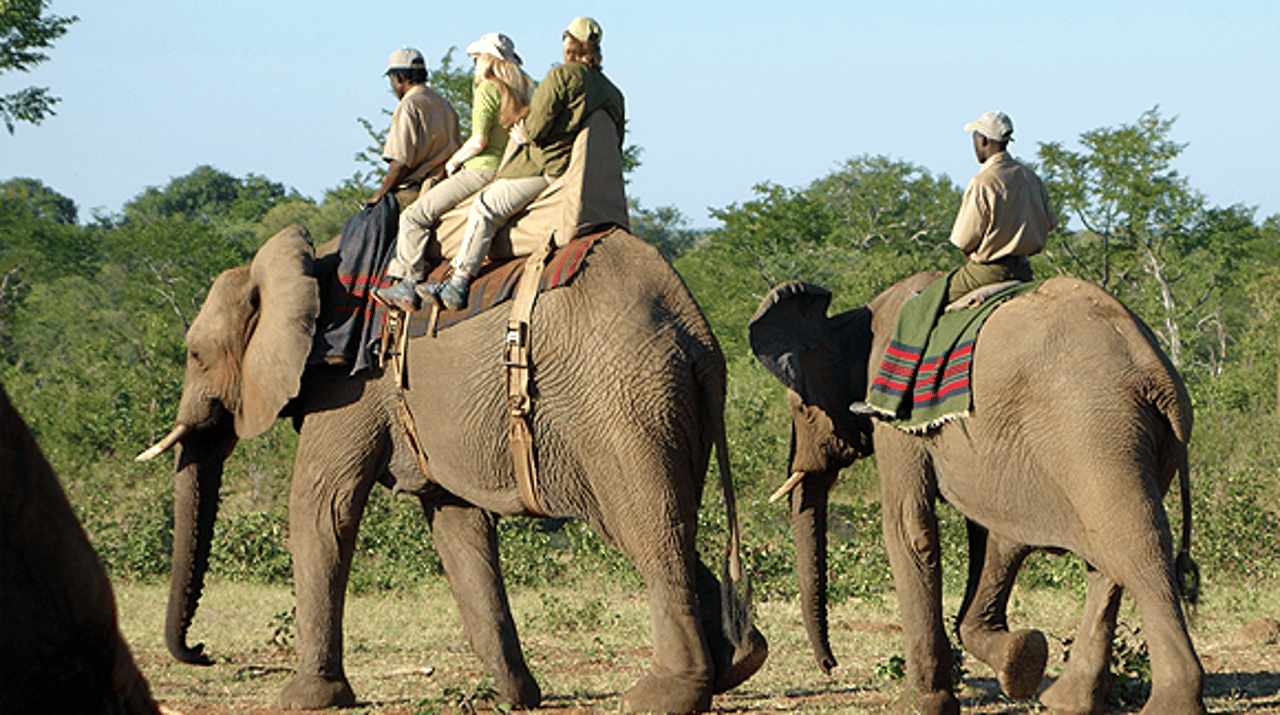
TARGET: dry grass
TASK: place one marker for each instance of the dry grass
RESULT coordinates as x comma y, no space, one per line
586,647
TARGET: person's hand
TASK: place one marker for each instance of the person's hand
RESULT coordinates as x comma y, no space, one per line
451,167
517,133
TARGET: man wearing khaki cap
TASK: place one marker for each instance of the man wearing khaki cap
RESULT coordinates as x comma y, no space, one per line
424,131
1005,215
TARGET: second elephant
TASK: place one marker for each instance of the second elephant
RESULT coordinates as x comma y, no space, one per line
1077,427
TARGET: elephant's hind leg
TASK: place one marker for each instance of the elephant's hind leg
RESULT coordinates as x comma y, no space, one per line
467,541
656,535
1018,657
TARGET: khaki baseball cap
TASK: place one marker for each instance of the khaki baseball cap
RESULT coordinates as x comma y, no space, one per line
585,30
497,45
992,125
405,58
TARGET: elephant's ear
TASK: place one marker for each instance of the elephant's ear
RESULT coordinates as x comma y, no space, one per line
823,360
791,320
289,303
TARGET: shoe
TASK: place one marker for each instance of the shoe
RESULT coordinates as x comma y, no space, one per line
453,292
401,294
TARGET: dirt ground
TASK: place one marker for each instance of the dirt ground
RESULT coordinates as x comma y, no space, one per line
406,655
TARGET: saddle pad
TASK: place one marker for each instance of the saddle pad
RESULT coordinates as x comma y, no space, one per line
923,379
496,283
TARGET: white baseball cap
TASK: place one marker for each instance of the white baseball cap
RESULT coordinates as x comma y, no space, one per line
495,44
585,29
996,126
405,58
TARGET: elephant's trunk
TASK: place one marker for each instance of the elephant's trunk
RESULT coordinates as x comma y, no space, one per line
198,478
809,530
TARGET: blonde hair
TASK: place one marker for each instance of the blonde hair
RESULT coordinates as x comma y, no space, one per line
514,85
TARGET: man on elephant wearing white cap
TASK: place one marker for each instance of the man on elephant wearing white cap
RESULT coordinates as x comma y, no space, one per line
424,131
1005,215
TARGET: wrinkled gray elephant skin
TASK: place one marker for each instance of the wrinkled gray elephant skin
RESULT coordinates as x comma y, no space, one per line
60,648
629,402
1078,426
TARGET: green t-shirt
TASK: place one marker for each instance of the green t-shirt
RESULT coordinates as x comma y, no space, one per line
485,103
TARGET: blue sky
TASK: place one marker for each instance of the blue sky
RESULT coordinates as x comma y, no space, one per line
719,99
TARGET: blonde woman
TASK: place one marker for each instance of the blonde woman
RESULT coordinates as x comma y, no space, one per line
500,99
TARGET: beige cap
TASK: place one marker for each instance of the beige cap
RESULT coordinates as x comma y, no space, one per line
585,30
497,45
405,58
992,125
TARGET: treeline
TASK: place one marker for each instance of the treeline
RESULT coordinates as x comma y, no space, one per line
93,311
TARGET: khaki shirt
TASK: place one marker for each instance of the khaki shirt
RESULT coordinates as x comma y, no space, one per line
424,133
559,109
1005,212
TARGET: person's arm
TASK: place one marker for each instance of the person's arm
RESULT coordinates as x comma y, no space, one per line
549,99
485,102
397,172
473,146
971,224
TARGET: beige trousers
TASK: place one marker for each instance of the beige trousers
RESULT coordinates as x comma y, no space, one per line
418,221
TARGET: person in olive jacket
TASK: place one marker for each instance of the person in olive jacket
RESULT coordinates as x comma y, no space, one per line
561,104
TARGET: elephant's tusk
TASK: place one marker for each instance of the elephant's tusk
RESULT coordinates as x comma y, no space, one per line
165,444
787,486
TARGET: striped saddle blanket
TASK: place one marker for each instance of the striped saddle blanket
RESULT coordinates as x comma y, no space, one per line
923,379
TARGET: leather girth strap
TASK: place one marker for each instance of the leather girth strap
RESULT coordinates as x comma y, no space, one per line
516,361
397,325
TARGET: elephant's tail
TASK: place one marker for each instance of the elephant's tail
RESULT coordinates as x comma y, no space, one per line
1168,394
735,610
1187,571
735,583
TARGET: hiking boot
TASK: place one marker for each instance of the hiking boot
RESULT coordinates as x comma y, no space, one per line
401,294
453,292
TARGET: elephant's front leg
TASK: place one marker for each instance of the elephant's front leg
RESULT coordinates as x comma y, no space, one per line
332,478
1017,657
467,541
908,494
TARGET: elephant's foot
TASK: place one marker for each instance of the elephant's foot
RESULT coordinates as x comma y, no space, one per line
1076,693
312,692
520,692
667,694
942,702
747,659
1018,658
1025,655
1173,703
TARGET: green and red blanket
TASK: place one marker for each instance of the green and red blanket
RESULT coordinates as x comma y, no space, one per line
923,379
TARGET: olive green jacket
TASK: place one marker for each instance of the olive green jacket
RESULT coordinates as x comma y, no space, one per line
558,110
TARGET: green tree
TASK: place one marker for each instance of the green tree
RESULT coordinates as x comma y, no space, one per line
39,240
25,30
665,227
1139,218
233,206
